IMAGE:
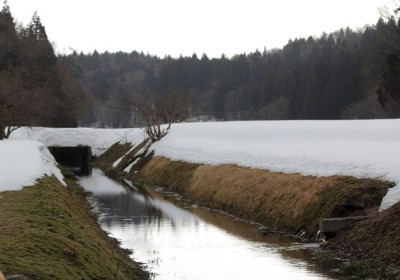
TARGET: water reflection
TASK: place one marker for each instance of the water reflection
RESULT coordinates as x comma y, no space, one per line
178,243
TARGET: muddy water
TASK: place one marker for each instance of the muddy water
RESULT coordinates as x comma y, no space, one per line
175,240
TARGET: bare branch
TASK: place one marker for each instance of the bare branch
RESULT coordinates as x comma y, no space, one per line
160,114
19,107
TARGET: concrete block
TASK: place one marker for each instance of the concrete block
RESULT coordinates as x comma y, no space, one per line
332,225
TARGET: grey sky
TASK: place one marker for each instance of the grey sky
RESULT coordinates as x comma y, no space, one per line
177,27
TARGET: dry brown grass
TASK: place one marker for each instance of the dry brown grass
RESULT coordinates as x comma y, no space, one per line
131,156
157,163
269,196
112,154
288,201
176,175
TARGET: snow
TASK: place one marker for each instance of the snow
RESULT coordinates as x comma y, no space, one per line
360,148
128,168
24,161
115,164
25,157
99,139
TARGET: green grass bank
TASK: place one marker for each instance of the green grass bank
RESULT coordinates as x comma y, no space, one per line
47,231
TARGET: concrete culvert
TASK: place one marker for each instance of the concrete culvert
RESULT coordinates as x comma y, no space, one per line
76,158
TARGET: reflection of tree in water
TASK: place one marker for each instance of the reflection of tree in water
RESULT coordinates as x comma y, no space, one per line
132,207
162,234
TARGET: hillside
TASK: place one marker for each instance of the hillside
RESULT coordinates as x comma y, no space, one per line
334,76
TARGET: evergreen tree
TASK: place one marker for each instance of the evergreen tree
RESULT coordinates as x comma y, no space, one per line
36,29
390,46
8,39
38,59
389,87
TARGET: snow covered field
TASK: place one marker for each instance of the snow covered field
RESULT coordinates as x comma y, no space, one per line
368,149
361,148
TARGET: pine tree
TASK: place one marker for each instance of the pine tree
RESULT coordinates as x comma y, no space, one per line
8,39
389,85
39,62
37,30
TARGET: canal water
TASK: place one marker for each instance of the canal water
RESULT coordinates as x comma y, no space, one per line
176,240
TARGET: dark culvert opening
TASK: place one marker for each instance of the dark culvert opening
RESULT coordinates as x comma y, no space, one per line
76,158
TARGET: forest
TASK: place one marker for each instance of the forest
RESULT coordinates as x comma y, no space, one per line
347,74
334,76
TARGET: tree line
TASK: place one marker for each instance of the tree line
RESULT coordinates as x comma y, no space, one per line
36,86
334,76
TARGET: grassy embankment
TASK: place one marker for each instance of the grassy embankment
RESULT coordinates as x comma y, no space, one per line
289,202
48,232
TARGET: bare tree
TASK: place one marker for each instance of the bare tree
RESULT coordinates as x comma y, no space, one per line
18,106
160,113
10,112
76,97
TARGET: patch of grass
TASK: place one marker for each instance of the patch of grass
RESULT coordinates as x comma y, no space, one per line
112,172
338,197
324,255
357,269
106,160
140,162
392,274
176,175
132,155
116,151
48,232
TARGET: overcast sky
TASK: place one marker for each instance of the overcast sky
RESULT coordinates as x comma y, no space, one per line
176,27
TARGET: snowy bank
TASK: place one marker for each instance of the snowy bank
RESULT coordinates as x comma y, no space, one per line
360,148
24,161
99,139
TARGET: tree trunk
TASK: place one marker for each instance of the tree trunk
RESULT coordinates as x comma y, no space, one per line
2,128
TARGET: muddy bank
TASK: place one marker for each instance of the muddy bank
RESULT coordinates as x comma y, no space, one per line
374,243
48,232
